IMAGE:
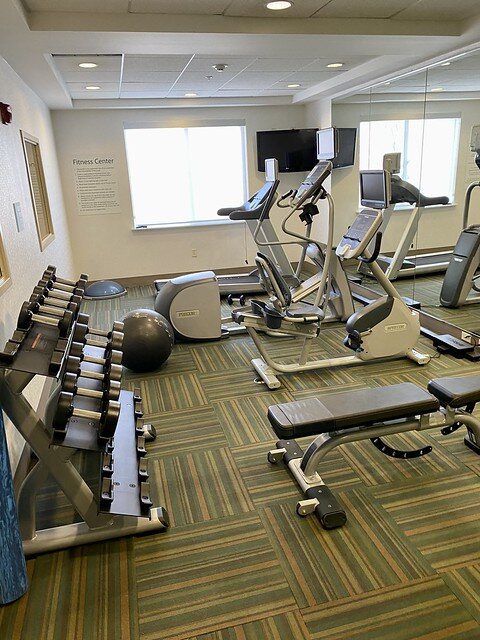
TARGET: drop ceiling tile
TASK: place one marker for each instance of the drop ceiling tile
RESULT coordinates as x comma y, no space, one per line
256,9
151,76
348,63
144,94
236,93
440,10
285,65
194,7
257,81
133,87
91,76
181,94
70,63
82,6
363,9
217,79
147,63
204,64
79,87
311,77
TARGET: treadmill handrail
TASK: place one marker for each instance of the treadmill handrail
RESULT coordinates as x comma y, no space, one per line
246,211
411,194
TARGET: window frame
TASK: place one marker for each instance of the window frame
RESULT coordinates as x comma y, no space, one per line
32,140
5,275
189,124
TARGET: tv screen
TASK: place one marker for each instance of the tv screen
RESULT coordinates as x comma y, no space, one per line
374,189
346,148
295,149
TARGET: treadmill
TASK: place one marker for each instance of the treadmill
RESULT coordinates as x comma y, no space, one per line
402,265
251,211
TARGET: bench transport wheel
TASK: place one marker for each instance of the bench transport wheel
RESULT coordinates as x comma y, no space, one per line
274,456
149,432
160,514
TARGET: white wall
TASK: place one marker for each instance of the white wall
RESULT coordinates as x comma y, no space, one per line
105,245
439,226
25,259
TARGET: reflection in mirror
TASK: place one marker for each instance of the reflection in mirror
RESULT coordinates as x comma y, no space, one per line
390,119
449,165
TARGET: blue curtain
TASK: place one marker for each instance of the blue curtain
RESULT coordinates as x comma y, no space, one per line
13,571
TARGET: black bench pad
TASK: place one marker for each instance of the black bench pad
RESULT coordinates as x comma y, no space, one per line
456,392
349,409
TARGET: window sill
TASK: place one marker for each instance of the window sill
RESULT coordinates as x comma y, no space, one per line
183,225
5,283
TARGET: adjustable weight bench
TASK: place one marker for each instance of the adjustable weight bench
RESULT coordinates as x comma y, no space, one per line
351,416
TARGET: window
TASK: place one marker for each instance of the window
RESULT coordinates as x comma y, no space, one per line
38,190
4,270
184,175
429,151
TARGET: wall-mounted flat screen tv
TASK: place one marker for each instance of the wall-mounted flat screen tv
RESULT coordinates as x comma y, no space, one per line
295,149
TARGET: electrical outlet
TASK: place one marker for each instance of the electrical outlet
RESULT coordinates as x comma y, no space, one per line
194,253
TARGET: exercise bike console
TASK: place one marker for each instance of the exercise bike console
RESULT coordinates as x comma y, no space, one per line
358,236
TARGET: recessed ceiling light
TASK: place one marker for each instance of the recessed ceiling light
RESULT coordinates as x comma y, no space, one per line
278,5
294,85
191,95
436,89
334,65
386,83
445,64
92,87
88,65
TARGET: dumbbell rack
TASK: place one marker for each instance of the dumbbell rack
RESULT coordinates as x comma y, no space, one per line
123,506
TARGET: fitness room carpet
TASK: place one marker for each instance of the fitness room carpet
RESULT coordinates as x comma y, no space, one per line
237,563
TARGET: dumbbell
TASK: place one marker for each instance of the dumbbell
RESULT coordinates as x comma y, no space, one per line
42,304
111,371
82,333
67,291
112,355
62,296
49,274
110,388
26,317
44,298
107,418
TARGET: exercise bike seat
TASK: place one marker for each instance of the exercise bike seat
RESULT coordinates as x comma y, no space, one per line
350,409
456,392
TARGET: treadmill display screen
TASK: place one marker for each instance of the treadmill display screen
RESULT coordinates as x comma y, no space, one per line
374,190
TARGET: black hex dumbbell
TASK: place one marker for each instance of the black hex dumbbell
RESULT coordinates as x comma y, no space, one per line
111,371
50,274
43,299
107,418
67,291
82,333
60,296
112,355
26,317
110,388
42,305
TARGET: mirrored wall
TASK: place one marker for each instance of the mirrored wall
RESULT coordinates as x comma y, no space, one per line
424,121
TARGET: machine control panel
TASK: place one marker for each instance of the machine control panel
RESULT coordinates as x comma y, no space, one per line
359,235
312,183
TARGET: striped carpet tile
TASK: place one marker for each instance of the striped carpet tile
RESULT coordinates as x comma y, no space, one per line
179,362
83,593
200,486
454,444
206,577
418,610
465,584
186,430
374,467
366,554
169,393
218,357
289,626
440,516
244,419
226,385
268,483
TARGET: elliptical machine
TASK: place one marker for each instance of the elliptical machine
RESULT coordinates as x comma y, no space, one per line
385,328
463,271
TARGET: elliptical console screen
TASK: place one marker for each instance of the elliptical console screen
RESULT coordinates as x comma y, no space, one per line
374,189
312,183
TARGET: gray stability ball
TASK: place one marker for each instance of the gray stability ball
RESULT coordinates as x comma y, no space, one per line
147,342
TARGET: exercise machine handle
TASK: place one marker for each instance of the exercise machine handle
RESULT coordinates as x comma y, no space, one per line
376,250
